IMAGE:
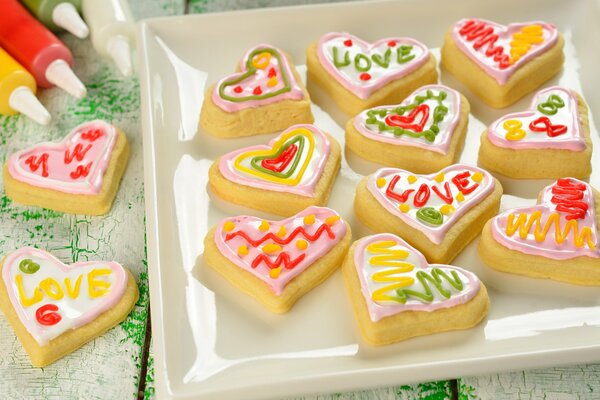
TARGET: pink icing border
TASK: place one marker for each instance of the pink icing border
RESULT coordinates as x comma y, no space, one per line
442,147
95,178
378,311
572,142
315,250
295,92
435,234
364,92
108,301
550,249
503,75
227,169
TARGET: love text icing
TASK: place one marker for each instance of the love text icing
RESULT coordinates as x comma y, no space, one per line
362,67
50,297
395,277
561,226
431,203
426,119
552,122
293,162
266,77
277,251
500,50
76,165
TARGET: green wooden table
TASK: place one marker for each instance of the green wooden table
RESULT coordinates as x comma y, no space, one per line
119,364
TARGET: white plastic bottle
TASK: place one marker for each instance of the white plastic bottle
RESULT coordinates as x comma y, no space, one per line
112,29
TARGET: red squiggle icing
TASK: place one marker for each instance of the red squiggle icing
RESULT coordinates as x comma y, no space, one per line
422,196
47,315
280,163
543,124
482,34
34,163
399,197
282,259
78,153
81,171
447,197
299,230
461,182
568,197
91,135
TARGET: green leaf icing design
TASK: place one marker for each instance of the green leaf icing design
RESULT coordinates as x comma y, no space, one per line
430,215
375,117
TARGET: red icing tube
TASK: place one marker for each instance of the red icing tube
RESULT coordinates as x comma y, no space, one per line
37,49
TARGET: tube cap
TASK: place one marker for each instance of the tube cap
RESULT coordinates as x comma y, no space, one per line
66,16
118,48
60,74
24,101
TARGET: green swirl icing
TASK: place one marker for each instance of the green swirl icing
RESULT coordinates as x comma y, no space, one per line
435,278
256,161
27,266
376,117
251,70
551,106
430,215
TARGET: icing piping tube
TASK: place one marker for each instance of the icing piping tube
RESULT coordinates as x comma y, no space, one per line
37,49
112,29
17,91
59,14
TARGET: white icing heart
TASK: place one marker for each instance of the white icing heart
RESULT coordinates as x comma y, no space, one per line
395,277
431,203
362,67
528,129
50,297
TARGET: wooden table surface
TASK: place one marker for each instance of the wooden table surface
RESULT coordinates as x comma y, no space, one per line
119,364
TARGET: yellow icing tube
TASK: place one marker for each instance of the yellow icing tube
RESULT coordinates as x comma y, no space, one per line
17,91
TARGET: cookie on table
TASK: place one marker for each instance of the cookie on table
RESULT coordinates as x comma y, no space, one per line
424,133
56,308
549,140
556,239
499,63
79,175
266,95
438,214
277,262
358,75
397,295
295,170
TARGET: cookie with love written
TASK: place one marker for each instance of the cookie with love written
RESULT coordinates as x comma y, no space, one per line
396,294
295,170
358,75
549,140
277,262
556,239
78,175
55,308
502,63
265,95
423,134
439,214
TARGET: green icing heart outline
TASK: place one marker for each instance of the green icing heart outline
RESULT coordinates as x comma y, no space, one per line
439,113
251,70
255,161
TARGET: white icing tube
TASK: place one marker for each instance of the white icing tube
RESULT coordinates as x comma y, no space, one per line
112,29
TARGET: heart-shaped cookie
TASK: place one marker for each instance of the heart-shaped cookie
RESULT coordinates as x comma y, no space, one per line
500,50
278,261
426,119
562,226
427,210
551,122
363,67
76,165
51,305
396,294
266,77
556,239
288,170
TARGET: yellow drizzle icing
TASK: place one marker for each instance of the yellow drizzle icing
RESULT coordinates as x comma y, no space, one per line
389,258
525,222
523,40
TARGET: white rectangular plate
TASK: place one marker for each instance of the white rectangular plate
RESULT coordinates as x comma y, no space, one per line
210,340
